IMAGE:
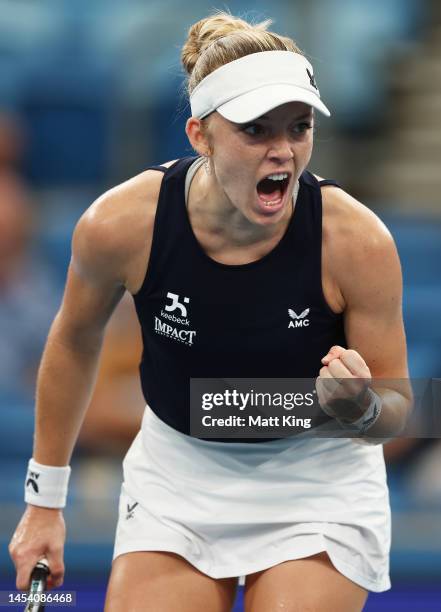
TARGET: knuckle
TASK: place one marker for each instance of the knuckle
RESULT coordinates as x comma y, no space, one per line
20,555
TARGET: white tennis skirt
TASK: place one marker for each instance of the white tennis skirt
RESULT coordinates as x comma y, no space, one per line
231,509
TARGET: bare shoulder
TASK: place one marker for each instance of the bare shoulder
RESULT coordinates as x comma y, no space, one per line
354,227
112,240
359,248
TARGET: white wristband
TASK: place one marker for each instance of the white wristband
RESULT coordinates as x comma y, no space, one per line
46,485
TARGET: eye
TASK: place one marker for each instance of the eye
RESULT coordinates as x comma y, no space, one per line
301,128
253,129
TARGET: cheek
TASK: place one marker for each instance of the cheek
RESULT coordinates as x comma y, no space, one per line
309,142
234,170
303,153
235,184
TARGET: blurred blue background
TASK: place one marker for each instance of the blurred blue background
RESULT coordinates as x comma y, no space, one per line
92,93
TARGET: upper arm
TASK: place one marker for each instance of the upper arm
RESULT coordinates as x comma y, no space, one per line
369,277
373,317
94,282
110,252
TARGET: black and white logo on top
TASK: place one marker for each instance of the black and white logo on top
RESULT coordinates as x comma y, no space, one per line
298,320
177,320
176,304
31,481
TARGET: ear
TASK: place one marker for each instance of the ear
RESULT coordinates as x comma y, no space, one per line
197,136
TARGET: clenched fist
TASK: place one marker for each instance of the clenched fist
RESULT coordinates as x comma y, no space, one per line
343,383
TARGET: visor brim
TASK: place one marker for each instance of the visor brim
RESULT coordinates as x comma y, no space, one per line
255,103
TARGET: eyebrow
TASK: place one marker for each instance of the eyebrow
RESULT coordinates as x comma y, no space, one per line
304,116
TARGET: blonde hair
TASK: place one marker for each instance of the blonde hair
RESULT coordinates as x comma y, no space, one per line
221,38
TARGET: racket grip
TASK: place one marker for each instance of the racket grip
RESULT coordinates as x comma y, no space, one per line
41,571
38,584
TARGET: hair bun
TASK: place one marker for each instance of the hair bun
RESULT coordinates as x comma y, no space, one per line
206,31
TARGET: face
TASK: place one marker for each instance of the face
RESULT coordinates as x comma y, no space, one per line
244,155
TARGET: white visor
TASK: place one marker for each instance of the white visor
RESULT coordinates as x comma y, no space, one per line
249,87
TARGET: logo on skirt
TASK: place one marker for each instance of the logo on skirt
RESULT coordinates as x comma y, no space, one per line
131,511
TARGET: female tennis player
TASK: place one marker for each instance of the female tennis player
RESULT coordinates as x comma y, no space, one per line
221,252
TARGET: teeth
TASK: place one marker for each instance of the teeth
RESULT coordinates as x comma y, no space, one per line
277,177
270,203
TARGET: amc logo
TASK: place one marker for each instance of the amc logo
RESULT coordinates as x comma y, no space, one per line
298,320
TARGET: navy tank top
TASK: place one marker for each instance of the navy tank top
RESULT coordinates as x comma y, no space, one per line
204,319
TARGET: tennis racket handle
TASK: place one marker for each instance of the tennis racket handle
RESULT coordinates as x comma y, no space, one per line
41,571
38,584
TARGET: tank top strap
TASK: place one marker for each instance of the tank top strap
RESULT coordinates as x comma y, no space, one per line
170,219
311,222
326,182
160,168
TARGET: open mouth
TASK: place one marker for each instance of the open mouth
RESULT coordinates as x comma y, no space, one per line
272,188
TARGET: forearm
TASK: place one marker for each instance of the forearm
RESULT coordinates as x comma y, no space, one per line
377,417
65,382
396,406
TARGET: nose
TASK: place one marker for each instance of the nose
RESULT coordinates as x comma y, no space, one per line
280,149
